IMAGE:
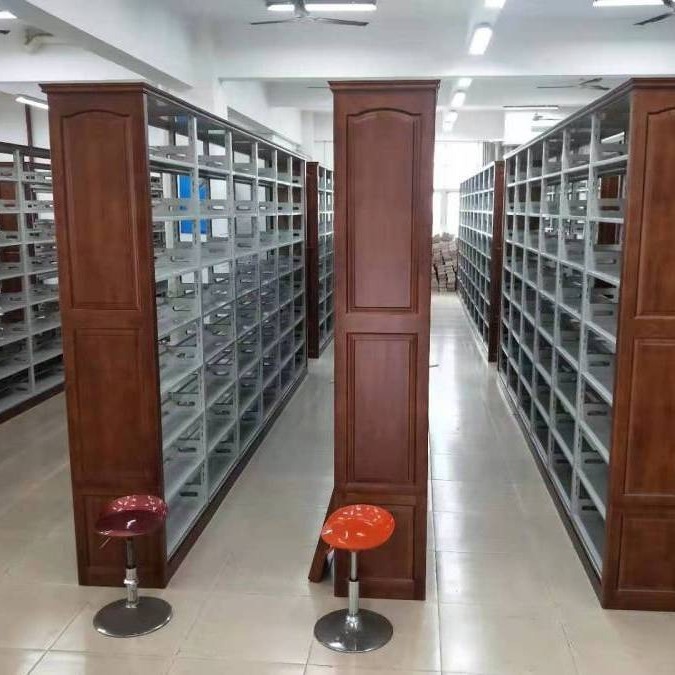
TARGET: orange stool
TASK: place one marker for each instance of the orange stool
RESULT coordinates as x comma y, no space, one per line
127,518
355,528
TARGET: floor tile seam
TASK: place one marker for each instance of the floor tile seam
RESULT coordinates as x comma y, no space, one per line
69,623
86,653
208,591
570,646
264,594
438,604
188,631
38,662
224,660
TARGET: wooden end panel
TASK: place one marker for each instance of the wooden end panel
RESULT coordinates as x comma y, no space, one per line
102,228
640,549
106,286
650,458
382,376
648,553
656,282
384,138
496,262
110,403
382,149
312,257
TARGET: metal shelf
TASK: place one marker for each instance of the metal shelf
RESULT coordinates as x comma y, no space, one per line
29,365
563,237
320,287
478,197
229,259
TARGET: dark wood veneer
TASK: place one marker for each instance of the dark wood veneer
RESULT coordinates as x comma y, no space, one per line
496,261
638,565
640,551
107,287
312,257
384,140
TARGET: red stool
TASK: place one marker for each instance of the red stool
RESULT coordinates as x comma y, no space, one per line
355,528
130,517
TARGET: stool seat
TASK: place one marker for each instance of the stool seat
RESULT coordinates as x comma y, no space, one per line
132,516
358,527
355,528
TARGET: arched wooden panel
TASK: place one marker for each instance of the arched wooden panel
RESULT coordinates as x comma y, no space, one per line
384,147
382,193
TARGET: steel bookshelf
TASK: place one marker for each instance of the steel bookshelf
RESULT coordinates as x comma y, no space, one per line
31,363
320,299
587,351
184,324
480,251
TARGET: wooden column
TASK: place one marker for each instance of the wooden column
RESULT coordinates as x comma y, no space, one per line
639,565
312,256
384,148
496,260
102,202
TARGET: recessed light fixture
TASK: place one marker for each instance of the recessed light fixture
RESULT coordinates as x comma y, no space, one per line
464,82
495,4
324,6
524,108
6,14
625,3
458,99
480,39
32,101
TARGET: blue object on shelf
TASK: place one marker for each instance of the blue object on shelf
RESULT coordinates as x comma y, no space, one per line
185,192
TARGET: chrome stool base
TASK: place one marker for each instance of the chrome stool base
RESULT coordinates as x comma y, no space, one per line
118,619
364,631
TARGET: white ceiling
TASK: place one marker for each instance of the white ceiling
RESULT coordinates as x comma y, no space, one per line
535,41
190,45
484,93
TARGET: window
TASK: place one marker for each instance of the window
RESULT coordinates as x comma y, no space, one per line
453,162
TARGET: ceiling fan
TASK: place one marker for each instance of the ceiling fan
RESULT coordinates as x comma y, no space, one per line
593,83
301,15
670,4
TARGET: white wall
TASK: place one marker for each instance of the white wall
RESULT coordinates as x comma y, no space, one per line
322,149
40,120
13,126
13,123
145,37
317,136
521,127
250,99
475,125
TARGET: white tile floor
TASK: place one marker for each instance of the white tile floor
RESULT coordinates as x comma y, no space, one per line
506,592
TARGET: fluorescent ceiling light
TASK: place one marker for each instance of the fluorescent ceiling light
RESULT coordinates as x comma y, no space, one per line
450,117
495,4
33,102
625,3
325,7
531,107
6,14
480,39
464,82
458,99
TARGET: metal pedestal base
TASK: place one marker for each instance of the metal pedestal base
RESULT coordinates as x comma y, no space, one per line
363,632
118,619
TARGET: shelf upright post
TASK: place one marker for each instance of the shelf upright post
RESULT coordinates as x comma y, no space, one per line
18,159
